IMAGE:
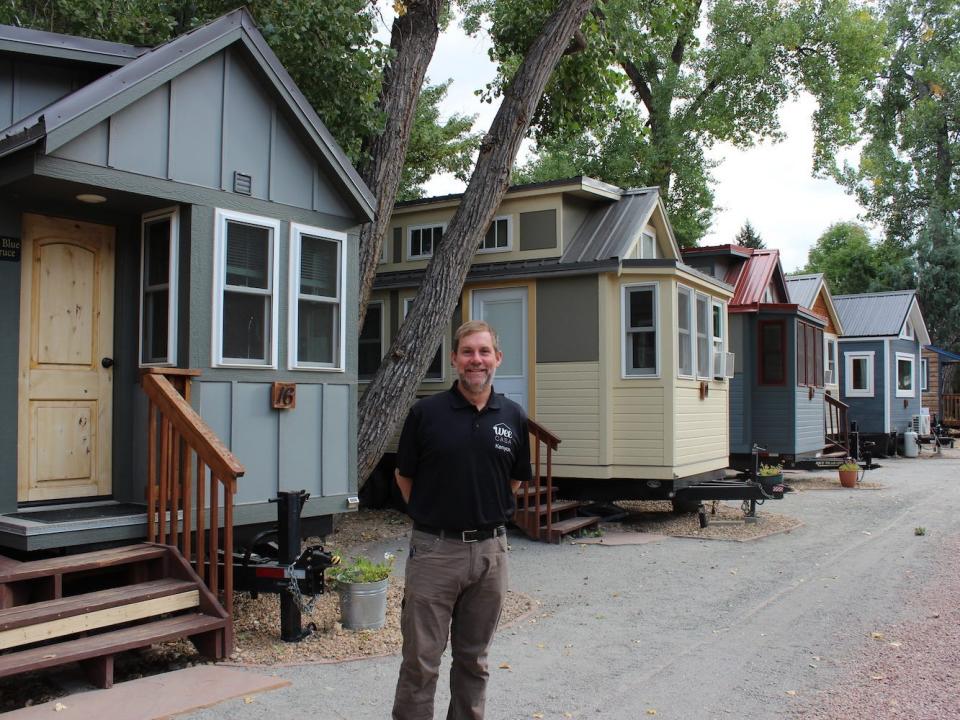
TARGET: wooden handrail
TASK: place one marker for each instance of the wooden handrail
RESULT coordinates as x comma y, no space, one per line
537,493
837,423
175,433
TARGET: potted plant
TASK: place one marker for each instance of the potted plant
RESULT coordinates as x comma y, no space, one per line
848,473
362,585
770,475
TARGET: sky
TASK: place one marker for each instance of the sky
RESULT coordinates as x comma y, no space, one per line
769,184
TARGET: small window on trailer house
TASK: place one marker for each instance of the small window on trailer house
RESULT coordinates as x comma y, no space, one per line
684,331
858,372
639,322
497,237
158,287
772,352
831,360
317,271
905,375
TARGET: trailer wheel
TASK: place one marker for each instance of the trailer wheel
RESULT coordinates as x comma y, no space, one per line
683,506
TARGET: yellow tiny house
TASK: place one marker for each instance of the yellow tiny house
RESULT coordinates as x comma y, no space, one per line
610,340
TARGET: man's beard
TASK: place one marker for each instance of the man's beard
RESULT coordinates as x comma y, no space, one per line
477,387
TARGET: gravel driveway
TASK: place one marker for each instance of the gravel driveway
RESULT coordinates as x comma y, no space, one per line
792,625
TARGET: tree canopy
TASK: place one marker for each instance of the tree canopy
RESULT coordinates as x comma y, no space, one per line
749,237
852,263
690,74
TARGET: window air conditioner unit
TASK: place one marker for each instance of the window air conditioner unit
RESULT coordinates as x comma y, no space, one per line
723,365
828,377
921,424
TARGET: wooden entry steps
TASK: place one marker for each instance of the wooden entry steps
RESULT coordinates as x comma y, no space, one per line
548,521
87,608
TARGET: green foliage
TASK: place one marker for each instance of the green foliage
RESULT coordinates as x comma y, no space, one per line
919,531
361,570
849,466
688,88
938,252
852,264
749,237
770,470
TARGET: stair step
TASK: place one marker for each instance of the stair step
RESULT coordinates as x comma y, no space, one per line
109,643
62,608
531,490
83,561
565,527
556,506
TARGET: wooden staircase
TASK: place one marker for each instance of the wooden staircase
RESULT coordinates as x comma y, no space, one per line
836,427
86,608
540,514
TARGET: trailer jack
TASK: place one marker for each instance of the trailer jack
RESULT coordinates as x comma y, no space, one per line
273,563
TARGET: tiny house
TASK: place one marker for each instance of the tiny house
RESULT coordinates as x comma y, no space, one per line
179,211
610,340
777,390
938,383
880,354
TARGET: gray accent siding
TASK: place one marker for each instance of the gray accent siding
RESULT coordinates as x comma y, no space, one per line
26,86
301,450
810,420
9,363
336,464
538,230
247,119
568,309
867,412
291,176
196,133
147,119
740,387
255,441
92,147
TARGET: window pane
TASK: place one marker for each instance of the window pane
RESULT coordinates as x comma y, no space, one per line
818,358
248,256
318,267
641,308
683,309
904,375
859,373
316,332
703,339
414,242
370,350
643,353
771,357
501,233
245,326
717,321
647,246
157,250
155,311
435,371
811,377
801,354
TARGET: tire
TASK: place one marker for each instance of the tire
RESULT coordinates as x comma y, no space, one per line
683,507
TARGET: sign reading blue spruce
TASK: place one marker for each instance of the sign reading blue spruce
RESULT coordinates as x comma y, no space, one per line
10,249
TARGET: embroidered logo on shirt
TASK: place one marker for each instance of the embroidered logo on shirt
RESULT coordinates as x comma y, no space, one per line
503,437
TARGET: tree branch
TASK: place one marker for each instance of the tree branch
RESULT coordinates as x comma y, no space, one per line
640,84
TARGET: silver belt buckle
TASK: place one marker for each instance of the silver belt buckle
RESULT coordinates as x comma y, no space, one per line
463,536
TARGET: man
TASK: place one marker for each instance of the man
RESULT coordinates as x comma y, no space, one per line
462,456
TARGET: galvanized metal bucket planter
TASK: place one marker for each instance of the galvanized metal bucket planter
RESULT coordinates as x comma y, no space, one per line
363,606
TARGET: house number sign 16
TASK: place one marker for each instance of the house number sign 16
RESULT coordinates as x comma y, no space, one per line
284,396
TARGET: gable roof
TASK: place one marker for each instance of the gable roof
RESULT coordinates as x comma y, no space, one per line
880,314
611,229
70,116
40,43
803,289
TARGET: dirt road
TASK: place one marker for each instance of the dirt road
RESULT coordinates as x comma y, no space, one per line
691,629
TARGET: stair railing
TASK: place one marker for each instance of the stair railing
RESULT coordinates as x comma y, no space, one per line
837,424
533,497
176,435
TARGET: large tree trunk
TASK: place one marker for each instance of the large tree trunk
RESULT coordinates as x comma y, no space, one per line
392,390
413,39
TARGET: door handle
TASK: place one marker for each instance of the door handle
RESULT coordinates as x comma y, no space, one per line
107,362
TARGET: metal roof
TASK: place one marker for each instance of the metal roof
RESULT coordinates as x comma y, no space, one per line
945,355
762,267
72,115
803,288
874,314
25,41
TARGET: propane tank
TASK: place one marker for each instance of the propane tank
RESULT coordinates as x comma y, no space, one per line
911,444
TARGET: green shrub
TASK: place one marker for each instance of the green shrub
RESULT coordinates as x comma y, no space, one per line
361,570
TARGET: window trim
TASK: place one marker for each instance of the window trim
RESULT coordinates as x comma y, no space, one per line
624,314
222,217
691,332
761,365
848,358
405,304
924,375
830,359
707,333
409,243
383,335
720,349
297,231
912,359
173,213
485,251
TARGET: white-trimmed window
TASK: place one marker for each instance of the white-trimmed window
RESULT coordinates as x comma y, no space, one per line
908,330
831,361
719,345
317,271
684,331
858,372
645,247
422,240
159,233
498,237
924,375
435,370
370,346
703,336
245,289
639,322
906,377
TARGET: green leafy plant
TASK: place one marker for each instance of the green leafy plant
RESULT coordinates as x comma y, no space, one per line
849,465
770,470
919,531
361,570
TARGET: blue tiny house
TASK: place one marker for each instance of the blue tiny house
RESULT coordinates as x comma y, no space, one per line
178,211
880,352
777,393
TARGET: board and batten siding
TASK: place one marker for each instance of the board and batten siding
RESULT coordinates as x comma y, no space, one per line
202,127
28,84
867,412
773,415
568,404
639,413
701,434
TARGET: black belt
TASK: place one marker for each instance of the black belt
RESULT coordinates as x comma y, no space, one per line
467,536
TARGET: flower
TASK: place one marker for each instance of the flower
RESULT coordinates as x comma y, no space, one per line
770,470
361,570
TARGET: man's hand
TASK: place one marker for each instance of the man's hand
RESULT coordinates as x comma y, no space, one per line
515,485
404,483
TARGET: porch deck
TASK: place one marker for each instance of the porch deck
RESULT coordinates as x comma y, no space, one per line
64,525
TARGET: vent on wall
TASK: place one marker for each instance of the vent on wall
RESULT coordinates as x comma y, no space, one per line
242,183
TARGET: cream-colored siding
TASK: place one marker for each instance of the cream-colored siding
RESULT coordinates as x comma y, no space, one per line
638,425
568,403
702,434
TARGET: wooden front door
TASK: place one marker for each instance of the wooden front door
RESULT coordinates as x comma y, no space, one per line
66,332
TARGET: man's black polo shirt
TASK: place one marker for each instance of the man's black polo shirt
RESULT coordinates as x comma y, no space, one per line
462,460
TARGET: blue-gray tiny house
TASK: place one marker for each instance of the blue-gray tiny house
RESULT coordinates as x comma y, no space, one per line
180,209
879,362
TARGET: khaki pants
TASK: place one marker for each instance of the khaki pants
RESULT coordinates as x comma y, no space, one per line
453,588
